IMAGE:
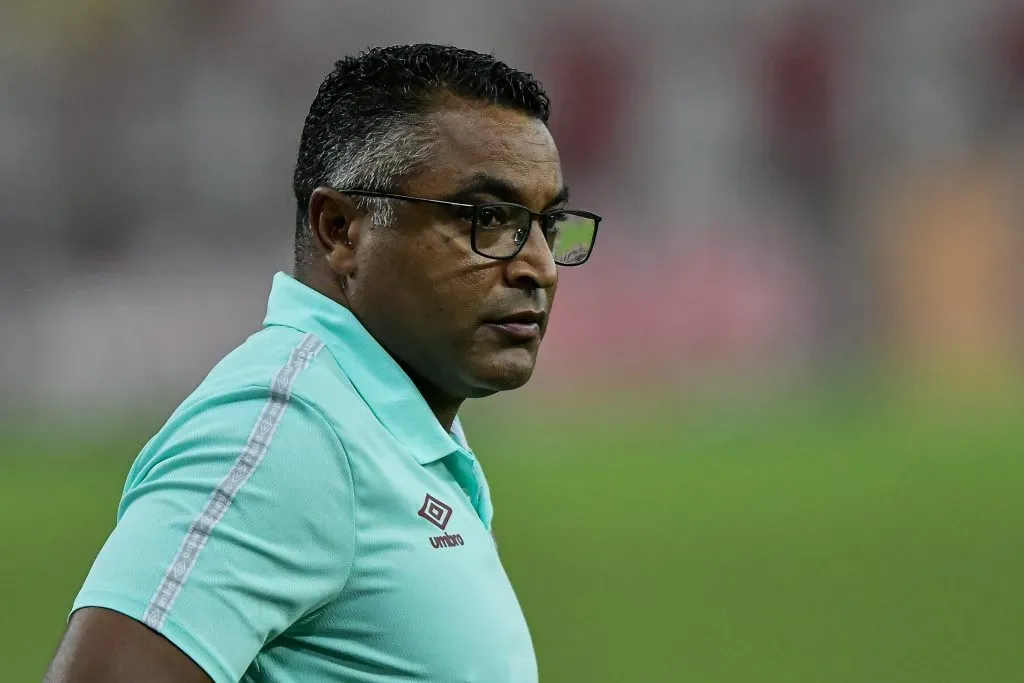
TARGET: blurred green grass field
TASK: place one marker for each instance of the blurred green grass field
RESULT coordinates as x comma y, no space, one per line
811,540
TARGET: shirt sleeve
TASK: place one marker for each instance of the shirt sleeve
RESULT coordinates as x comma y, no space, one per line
237,521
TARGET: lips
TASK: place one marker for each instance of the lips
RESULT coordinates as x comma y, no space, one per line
519,326
521,317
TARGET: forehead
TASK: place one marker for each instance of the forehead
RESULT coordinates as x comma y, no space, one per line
478,139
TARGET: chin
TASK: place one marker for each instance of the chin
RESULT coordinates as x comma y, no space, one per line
504,374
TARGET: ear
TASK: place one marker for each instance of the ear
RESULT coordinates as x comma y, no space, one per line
335,224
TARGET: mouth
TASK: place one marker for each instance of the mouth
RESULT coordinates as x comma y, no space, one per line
521,326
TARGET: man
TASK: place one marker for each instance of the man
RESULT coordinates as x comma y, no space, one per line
312,512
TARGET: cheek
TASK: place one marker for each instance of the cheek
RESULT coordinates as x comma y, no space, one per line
437,288
459,294
460,280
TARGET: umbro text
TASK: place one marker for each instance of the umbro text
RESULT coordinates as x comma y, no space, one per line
447,541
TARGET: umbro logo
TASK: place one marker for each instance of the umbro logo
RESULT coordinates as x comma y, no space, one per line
435,512
438,514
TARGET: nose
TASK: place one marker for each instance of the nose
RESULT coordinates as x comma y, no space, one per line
534,266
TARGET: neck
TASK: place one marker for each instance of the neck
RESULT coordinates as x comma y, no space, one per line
443,406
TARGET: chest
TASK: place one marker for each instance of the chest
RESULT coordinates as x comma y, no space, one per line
427,598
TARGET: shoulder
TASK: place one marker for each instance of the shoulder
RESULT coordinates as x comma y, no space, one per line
276,388
275,358
277,364
247,473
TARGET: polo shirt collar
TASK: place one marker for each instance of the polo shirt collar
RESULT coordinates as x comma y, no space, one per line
382,383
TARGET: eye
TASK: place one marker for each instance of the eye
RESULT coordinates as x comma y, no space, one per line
554,224
492,216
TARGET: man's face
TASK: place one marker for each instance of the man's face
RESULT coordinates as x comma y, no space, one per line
441,309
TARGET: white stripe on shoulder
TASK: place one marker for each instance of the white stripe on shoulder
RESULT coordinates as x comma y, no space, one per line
256,446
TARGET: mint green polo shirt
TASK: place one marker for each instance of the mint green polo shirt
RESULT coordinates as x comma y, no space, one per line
303,518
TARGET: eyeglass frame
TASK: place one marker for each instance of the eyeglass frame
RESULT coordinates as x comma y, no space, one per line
542,218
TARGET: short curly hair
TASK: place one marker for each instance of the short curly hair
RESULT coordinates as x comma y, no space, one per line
366,127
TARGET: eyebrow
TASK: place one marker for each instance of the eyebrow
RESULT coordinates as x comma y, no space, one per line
484,183
561,198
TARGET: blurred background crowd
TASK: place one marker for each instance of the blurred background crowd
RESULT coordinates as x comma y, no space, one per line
789,186
800,197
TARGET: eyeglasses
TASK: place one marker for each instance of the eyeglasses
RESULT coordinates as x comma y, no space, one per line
500,229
